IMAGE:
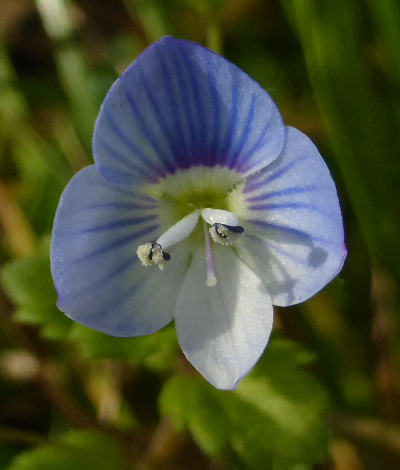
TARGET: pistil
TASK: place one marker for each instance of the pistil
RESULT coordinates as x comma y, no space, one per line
211,278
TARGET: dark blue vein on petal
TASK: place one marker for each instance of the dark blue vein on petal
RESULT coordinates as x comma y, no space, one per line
201,120
284,192
118,224
118,205
287,254
129,144
131,194
271,245
103,280
258,144
118,243
146,198
288,206
306,237
115,303
245,133
158,115
120,158
214,147
233,117
174,105
187,106
259,181
152,140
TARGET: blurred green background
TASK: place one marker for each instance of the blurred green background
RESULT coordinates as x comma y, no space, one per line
325,395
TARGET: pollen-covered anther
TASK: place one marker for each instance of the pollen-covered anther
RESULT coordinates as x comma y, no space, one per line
151,253
225,234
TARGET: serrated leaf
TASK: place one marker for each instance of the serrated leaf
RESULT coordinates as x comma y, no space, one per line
75,450
273,420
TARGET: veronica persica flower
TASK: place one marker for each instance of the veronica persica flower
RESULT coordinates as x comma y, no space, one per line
202,207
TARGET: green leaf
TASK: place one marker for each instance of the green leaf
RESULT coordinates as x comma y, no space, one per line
156,351
194,404
28,283
273,420
75,450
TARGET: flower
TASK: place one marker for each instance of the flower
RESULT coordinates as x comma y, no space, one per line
202,207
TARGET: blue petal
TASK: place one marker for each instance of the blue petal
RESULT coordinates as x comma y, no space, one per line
180,105
294,235
98,277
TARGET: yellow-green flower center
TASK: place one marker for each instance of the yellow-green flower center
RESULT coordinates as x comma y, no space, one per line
213,194
195,188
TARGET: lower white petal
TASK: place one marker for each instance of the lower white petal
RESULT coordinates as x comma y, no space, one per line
224,329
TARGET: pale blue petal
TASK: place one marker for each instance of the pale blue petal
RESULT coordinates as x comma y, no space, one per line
224,329
293,235
98,277
179,105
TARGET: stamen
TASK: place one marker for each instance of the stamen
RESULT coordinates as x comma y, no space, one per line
212,216
225,234
179,231
151,253
225,227
211,279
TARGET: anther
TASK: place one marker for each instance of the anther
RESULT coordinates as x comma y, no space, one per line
151,253
225,234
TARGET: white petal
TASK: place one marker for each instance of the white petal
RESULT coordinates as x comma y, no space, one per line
224,329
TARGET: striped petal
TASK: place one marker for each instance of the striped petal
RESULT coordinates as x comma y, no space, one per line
98,277
224,329
294,235
180,105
